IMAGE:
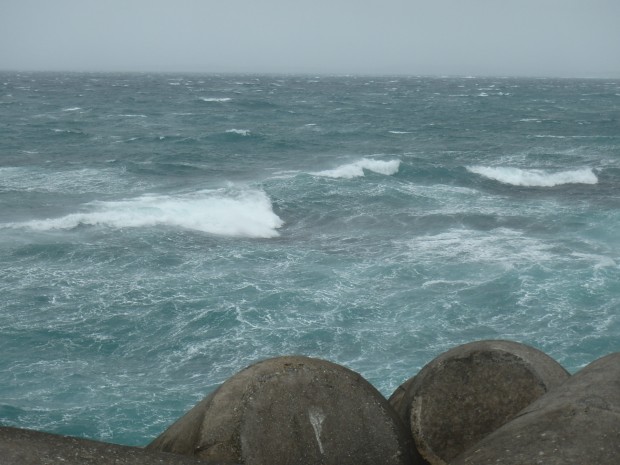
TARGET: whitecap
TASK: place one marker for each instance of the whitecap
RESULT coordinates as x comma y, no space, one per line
535,177
356,169
216,99
399,132
72,109
235,213
67,131
241,132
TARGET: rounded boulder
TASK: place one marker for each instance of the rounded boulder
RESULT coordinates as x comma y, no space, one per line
27,447
469,391
577,423
292,410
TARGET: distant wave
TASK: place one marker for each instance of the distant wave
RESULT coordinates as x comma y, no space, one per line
69,131
356,169
216,99
535,178
241,132
245,213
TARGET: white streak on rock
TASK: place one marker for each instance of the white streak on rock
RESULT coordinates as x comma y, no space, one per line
317,416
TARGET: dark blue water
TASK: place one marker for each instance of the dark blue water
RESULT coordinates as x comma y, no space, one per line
158,233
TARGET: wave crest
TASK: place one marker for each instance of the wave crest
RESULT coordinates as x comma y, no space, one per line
215,99
356,169
534,177
239,132
221,212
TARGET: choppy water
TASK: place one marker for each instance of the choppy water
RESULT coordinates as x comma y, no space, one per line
158,233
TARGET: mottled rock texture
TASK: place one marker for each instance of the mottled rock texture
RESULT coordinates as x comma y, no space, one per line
576,423
26,447
469,391
292,410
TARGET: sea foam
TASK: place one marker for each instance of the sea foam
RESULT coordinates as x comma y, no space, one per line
240,132
534,177
246,213
216,99
356,169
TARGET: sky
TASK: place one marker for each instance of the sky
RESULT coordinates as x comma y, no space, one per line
563,38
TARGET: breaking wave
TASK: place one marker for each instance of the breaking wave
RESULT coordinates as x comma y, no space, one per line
222,212
216,99
534,177
356,169
239,132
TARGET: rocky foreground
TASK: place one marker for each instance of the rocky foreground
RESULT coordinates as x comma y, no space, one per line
482,403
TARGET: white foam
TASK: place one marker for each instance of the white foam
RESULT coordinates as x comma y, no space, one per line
534,177
216,99
245,213
399,132
502,246
356,169
600,261
72,109
241,132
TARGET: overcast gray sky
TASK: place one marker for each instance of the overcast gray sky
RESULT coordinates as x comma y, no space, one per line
430,37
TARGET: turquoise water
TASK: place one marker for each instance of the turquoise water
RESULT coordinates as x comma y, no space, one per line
158,233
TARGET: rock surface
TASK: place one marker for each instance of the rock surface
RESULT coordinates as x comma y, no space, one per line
292,410
574,424
26,447
469,391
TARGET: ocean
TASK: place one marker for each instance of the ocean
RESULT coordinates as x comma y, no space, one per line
160,232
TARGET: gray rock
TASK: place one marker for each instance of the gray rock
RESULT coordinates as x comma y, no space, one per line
26,447
576,423
469,391
292,410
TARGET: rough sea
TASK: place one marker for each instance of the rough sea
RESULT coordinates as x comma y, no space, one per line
158,233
